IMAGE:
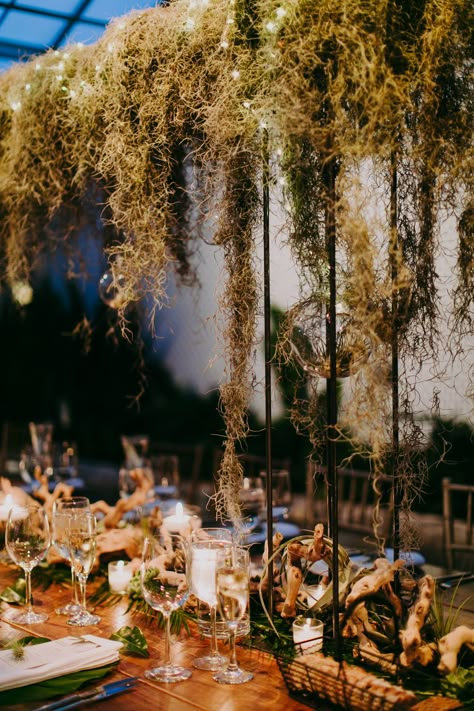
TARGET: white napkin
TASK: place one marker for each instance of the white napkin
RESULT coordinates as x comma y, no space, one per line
56,658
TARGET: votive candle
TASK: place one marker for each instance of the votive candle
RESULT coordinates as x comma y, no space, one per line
120,574
308,634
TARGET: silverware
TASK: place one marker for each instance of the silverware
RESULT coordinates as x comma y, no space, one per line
454,582
95,694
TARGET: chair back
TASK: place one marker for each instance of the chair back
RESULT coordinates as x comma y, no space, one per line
458,538
365,504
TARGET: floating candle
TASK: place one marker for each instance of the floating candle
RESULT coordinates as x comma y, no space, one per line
180,521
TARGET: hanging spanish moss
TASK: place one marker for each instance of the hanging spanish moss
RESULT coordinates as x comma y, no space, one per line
156,131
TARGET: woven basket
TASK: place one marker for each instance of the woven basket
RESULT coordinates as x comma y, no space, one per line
313,678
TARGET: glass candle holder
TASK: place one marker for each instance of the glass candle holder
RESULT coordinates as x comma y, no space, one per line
308,634
120,574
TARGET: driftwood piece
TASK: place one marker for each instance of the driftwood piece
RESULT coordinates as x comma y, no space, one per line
114,514
414,649
312,553
42,493
277,539
297,552
126,542
359,625
383,574
450,646
338,681
295,578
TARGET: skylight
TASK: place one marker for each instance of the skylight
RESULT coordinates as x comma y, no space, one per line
29,27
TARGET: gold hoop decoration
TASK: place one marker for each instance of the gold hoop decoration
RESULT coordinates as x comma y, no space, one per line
308,339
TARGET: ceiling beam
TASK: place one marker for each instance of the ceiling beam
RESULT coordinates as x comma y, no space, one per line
43,12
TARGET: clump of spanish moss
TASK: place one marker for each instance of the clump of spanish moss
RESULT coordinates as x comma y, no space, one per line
157,130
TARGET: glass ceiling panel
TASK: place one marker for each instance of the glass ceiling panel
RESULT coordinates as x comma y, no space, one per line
61,6
26,29
106,9
33,26
82,32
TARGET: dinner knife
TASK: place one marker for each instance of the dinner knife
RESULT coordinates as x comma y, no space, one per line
454,582
94,694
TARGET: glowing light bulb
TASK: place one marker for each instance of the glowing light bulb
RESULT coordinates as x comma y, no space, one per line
112,289
22,293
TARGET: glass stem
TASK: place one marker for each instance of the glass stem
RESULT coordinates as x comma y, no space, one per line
214,649
167,641
75,596
82,586
28,595
233,666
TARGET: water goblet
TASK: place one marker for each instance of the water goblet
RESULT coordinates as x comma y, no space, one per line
166,590
82,546
63,509
27,539
205,544
232,589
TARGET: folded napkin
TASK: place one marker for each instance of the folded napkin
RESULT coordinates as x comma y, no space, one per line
56,658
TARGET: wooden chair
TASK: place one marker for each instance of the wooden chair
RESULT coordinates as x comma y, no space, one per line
189,458
358,502
458,537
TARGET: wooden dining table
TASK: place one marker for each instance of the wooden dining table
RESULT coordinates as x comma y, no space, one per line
199,693
267,690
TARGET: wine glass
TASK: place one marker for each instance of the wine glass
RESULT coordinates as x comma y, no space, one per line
27,539
166,476
63,509
82,544
232,589
166,587
205,544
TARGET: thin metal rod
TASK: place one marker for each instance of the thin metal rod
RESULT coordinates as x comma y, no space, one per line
268,370
394,251
331,392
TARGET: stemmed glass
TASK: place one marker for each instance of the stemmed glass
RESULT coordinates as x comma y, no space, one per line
166,589
232,588
27,540
205,544
82,545
63,509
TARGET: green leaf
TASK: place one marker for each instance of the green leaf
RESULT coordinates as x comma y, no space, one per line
17,645
30,640
15,593
133,640
59,686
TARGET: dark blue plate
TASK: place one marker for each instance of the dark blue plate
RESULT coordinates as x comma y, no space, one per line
288,530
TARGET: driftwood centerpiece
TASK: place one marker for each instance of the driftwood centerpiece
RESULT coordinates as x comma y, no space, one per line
389,626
